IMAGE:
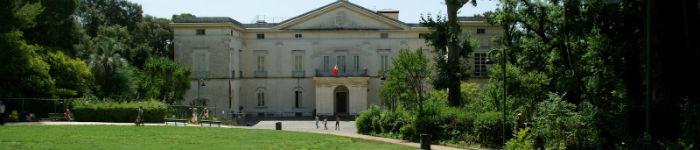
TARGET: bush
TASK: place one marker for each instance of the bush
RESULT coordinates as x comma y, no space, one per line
110,111
488,128
365,122
522,141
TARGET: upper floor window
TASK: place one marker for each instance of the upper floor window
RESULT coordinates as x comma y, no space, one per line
356,63
201,32
298,36
384,35
480,31
384,63
479,64
341,64
200,66
326,63
260,36
298,61
261,63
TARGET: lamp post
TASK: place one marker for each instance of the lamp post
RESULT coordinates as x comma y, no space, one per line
503,102
200,83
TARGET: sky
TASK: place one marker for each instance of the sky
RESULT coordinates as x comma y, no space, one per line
247,11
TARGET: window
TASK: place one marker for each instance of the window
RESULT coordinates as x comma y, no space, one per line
298,63
297,98
261,63
480,31
326,64
200,65
261,97
298,35
384,63
201,32
479,64
260,36
384,35
341,64
356,63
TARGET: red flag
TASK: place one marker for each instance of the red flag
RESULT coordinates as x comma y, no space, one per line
334,71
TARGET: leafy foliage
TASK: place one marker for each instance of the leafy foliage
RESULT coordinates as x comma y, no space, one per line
164,80
110,111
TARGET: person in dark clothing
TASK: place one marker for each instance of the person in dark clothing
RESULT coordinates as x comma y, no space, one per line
139,117
337,122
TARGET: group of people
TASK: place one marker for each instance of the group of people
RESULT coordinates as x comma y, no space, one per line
325,122
205,115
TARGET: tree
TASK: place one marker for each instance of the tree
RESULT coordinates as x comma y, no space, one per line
164,80
447,40
56,26
408,77
73,77
96,13
111,71
23,70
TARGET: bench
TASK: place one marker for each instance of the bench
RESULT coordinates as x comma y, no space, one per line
56,116
218,123
173,120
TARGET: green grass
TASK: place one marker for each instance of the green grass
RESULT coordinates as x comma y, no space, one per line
159,137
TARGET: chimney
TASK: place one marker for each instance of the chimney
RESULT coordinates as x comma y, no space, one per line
391,13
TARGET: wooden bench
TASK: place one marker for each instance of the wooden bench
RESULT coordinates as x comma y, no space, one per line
56,116
218,123
173,120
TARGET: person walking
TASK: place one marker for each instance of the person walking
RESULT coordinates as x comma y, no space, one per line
139,116
2,113
316,118
337,122
325,123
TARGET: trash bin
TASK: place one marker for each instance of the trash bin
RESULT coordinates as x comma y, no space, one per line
278,126
425,141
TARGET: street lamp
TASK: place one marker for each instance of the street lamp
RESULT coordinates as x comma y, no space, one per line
200,83
503,102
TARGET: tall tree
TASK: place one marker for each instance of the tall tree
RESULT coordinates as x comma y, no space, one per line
56,26
448,41
408,77
22,69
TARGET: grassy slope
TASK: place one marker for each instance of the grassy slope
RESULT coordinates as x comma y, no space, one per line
131,137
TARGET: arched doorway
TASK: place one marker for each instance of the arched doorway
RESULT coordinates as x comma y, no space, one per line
340,96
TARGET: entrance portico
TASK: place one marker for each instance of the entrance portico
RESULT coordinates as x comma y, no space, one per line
340,95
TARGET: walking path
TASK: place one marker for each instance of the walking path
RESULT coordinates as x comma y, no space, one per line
347,129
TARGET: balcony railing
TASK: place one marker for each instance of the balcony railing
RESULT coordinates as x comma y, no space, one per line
260,74
298,74
360,73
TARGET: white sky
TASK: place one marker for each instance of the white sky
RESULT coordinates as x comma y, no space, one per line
246,11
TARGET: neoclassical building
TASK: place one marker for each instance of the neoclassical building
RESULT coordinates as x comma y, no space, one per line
283,69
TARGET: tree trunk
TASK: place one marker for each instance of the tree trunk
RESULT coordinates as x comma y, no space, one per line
453,53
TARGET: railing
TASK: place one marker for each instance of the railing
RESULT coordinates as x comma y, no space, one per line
298,74
360,73
260,74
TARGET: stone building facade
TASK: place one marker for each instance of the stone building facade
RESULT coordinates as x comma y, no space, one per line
283,69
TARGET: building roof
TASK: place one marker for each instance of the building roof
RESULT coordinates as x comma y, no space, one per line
472,18
343,1
207,20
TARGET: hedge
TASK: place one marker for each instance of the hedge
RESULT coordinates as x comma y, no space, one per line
110,111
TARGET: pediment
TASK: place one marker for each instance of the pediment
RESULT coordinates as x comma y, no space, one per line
342,16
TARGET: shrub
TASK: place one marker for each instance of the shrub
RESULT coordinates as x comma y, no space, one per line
522,141
110,111
488,128
366,120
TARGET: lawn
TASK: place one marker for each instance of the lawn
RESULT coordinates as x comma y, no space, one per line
159,137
